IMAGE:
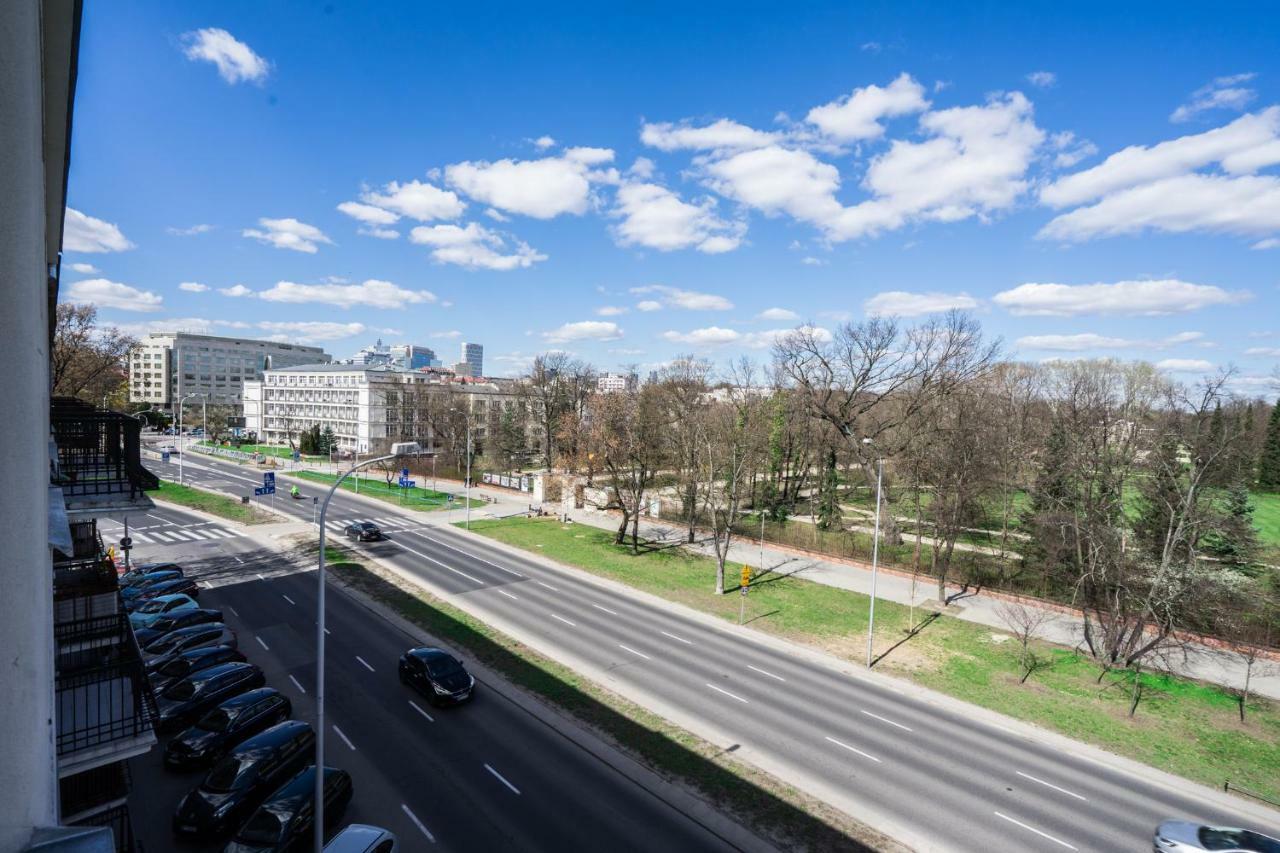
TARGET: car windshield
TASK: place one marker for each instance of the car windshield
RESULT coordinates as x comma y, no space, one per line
265,827
165,623
152,607
442,666
181,691
217,720
230,773
368,525
174,668
1260,843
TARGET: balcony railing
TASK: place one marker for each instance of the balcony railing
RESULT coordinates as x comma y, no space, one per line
99,452
121,827
103,694
93,789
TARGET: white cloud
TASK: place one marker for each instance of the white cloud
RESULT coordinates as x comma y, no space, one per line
611,310
1267,351
368,213
1042,79
780,314
236,61
542,143
766,339
380,233
643,168
690,300
721,134
496,215
84,233
708,337
450,334
1143,298
586,330
858,115
235,291
1222,93
1269,243
84,269
190,232
811,261
112,294
308,332
542,189
900,303
777,180
1184,365
648,305
474,247
1092,341
193,287
372,293
655,217
288,233
1070,150
414,199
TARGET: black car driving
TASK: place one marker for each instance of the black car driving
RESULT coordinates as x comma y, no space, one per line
188,699
180,619
363,531
437,675
218,731
164,671
193,637
244,778
285,823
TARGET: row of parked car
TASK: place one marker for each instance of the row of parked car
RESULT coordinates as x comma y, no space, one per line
258,763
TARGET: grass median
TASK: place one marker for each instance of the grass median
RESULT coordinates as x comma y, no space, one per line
1182,726
424,500
215,504
772,809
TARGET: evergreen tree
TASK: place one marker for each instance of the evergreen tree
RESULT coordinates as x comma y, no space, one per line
1161,494
328,441
1235,540
774,493
829,514
1053,502
1269,459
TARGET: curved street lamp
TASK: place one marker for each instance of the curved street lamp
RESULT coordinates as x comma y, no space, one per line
182,450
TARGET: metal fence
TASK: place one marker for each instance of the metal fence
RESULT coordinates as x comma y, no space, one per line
121,827
102,693
98,452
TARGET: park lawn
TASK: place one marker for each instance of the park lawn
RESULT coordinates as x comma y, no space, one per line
426,500
215,504
266,450
1183,727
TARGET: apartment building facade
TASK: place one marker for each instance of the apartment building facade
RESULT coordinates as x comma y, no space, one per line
166,367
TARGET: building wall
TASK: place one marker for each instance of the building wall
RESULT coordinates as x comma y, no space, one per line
473,356
28,776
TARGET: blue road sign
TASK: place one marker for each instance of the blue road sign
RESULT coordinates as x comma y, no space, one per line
404,473
450,498
164,456
263,490
269,479
296,456
406,483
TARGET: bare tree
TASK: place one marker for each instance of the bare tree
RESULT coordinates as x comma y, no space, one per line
87,361
552,390
1025,623
625,441
682,386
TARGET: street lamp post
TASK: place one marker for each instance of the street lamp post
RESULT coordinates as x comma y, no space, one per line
408,448
182,451
468,492
875,555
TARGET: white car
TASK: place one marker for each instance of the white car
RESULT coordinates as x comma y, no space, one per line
1180,836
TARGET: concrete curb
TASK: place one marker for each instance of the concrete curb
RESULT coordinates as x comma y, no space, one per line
993,719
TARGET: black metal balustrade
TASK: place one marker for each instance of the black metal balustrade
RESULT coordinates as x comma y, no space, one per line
103,694
93,789
99,452
121,826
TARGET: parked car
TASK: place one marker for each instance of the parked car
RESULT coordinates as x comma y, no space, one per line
169,586
437,675
188,699
218,731
363,838
195,637
363,531
1177,836
139,571
285,823
241,781
182,618
164,671
153,610
136,587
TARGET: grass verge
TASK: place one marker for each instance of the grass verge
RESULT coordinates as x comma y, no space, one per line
772,809
425,500
215,504
1184,727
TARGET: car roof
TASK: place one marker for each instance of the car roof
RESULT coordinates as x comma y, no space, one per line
176,596
363,524
299,789
212,672
252,697
204,651
277,735
197,629
429,652
356,838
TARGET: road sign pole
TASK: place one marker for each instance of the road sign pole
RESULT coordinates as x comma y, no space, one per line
742,605
875,561
124,547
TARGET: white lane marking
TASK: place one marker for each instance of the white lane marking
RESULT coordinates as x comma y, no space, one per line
233,611
260,577
345,739
365,663
438,563
180,535
327,632
765,672
605,609
198,534
1051,785
887,720
498,776
161,520
547,585
727,693
564,620
634,652
237,559
141,537
854,749
413,817
472,556
264,645
507,594
1036,831
287,598
677,639
163,537
414,704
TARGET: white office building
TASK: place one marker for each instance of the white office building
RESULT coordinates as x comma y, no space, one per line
166,367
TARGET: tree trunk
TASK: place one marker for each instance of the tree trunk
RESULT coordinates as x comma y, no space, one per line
1137,690
622,529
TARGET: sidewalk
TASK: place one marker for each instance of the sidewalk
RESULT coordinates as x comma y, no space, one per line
1202,662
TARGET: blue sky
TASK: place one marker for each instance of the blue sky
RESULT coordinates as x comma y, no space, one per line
660,179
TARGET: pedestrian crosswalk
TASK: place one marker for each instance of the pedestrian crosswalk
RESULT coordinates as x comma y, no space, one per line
338,525
170,534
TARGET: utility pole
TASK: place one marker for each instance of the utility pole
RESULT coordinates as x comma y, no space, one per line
875,556
468,498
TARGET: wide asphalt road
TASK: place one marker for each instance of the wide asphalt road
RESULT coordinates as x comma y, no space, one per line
487,775
954,782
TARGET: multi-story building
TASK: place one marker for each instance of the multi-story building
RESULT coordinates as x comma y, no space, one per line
412,356
616,383
372,355
473,358
367,407
166,367
75,703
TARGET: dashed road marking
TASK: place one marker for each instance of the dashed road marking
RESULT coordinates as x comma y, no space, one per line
564,620
605,609
508,595
634,652
500,778
727,693
287,598
345,739
1058,841
887,720
765,672
413,817
677,639
365,663
854,749
1051,785
261,643
301,689
415,707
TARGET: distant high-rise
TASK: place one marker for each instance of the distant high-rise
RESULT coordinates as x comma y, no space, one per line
473,357
412,356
